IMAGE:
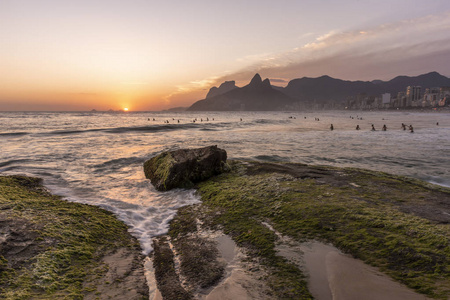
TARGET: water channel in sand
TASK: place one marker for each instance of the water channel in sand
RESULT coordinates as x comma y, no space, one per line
334,275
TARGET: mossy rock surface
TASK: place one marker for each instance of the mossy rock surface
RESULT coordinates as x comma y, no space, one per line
397,224
55,249
185,167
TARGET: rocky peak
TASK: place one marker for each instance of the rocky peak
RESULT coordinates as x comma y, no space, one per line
256,80
222,89
266,83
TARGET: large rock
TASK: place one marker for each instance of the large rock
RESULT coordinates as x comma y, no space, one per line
182,168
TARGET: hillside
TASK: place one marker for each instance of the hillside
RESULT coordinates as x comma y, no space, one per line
257,95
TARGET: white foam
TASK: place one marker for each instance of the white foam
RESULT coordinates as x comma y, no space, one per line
147,222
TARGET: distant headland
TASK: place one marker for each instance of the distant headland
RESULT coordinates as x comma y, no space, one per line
431,90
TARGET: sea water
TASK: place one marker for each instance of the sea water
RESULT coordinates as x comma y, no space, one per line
97,158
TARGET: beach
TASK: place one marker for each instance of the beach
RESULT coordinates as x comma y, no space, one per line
97,158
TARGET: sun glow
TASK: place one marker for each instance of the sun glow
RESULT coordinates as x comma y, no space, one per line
125,109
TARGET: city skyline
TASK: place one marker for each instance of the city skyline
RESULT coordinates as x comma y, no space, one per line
145,55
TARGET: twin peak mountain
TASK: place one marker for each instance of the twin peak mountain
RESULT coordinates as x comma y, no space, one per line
260,95
257,95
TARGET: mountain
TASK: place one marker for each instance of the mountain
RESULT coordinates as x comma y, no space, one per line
327,89
257,95
432,79
261,95
222,89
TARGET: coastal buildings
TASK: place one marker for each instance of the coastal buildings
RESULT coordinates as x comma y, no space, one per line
411,97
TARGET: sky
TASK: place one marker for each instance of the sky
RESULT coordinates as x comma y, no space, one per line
58,55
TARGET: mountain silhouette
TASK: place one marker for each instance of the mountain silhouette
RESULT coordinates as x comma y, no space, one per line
261,95
257,95
222,89
327,89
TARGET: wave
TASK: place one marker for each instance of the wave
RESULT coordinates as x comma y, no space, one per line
13,161
270,122
152,128
271,158
116,164
13,133
145,129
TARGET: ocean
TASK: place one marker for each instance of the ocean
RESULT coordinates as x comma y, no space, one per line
97,157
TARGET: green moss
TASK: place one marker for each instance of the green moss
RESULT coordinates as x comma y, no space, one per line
67,242
159,168
368,219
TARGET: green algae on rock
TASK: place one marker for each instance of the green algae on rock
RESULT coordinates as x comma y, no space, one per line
184,167
397,224
51,248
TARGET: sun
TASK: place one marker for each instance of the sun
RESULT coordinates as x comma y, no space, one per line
125,109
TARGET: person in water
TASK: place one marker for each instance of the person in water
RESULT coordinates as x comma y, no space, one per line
384,127
373,128
331,127
411,128
357,127
403,126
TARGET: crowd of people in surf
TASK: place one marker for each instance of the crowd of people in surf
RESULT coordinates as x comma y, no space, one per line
178,120
384,128
405,127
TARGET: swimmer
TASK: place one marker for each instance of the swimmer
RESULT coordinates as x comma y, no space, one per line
403,126
357,127
384,127
411,129
373,128
331,127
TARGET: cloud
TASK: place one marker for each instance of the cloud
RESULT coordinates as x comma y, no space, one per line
405,47
194,87
365,53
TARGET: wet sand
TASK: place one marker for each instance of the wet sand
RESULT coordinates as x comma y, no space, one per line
237,283
334,275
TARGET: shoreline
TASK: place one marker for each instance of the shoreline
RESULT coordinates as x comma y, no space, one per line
232,214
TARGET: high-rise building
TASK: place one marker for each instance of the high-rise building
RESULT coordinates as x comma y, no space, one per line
385,99
413,95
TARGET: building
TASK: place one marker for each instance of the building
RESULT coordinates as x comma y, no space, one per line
413,97
431,97
386,100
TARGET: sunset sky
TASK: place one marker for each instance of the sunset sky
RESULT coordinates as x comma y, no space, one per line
153,55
